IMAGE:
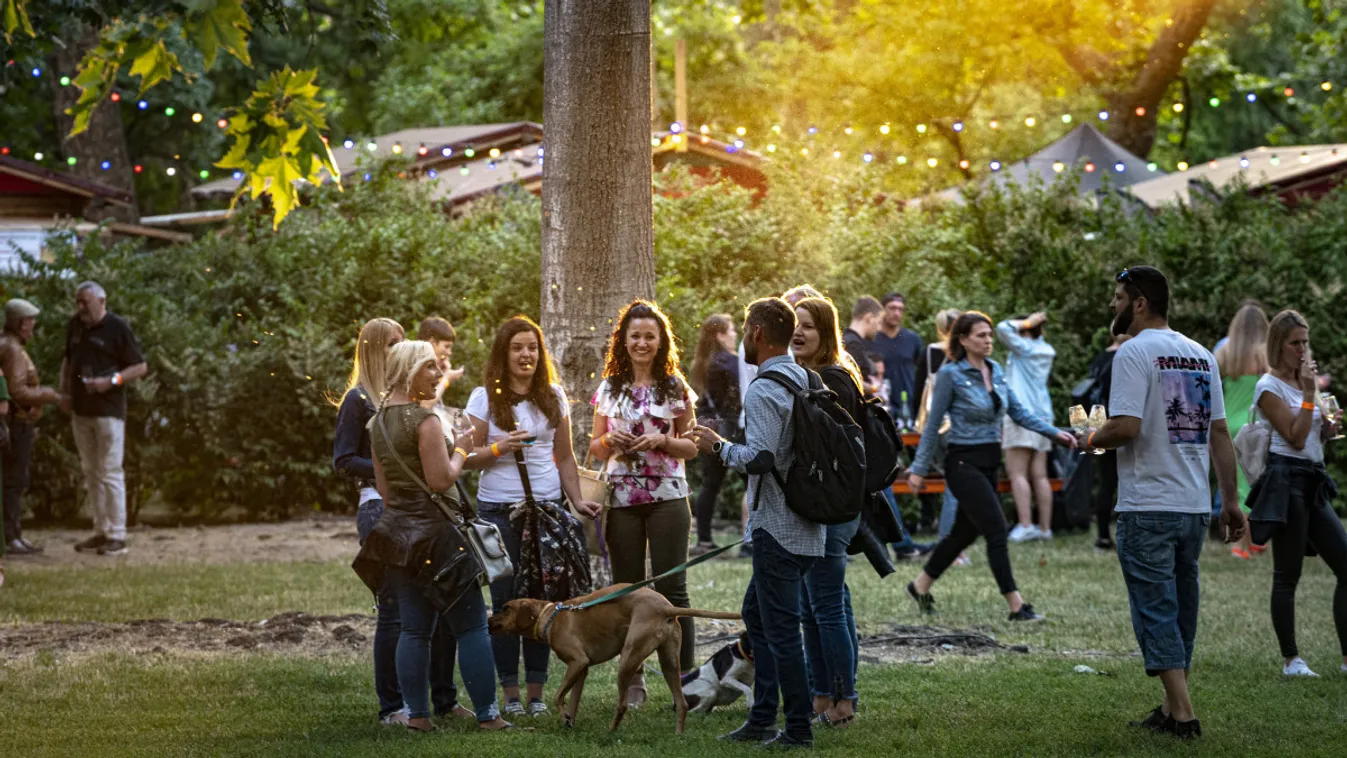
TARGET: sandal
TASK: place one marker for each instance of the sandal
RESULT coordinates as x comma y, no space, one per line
506,726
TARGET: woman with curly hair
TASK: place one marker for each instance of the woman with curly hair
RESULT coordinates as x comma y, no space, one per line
641,410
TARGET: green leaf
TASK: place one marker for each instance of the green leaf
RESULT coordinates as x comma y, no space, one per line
281,173
237,157
222,25
16,17
155,65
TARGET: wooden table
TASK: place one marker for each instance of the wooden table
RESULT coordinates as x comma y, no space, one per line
936,485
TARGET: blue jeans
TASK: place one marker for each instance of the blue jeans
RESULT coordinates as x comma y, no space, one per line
467,620
387,629
1158,552
830,643
771,613
949,508
505,648
906,543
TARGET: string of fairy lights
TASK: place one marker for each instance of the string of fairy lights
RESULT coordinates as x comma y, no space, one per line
889,144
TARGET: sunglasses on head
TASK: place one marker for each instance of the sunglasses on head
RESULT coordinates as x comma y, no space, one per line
1125,277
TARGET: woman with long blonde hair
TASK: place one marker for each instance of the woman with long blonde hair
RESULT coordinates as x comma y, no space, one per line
830,643
1292,501
1243,359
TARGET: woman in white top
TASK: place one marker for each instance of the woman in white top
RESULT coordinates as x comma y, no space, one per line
641,411
520,407
1291,500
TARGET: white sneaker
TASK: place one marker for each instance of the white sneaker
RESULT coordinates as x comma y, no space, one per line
397,718
1042,534
1344,668
1022,533
1298,667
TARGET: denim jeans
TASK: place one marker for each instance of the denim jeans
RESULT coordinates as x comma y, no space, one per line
467,620
949,508
387,629
1158,552
906,543
18,459
830,643
771,613
505,648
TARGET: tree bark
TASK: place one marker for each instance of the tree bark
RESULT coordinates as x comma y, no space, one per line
597,232
104,140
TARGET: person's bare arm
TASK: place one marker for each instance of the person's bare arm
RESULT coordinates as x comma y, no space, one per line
563,455
481,456
440,468
134,372
1223,459
1294,428
1118,431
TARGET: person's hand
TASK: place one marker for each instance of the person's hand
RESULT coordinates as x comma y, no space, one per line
619,441
588,508
513,442
453,375
705,437
1067,440
98,385
1309,380
67,404
1233,524
1035,319
651,441
916,483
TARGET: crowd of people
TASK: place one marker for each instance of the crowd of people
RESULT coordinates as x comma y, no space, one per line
1168,428
102,356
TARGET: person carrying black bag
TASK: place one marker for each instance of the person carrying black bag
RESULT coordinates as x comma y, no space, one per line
413,467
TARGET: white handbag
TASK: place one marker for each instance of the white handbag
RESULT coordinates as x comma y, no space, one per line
1252,443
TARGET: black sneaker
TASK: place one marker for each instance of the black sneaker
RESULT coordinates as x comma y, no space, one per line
1104,543
113,547
783,741
1026,613
925,603
1185,730
701,548
750,733
21,546
91,544
1156,721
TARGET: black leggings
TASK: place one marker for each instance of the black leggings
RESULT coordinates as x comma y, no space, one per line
1313,523
713,476
1108,491
971,475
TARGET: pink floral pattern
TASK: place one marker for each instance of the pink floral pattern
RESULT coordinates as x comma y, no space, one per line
651,476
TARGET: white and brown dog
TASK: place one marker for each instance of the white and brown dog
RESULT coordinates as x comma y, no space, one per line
723,678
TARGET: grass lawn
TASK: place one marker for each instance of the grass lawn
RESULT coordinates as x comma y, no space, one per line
184,703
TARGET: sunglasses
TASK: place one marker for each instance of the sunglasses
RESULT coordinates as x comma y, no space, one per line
1125,277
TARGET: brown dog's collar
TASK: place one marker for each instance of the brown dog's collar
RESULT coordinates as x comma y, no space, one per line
541,629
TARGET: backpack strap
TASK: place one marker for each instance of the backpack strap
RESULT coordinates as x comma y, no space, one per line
776,377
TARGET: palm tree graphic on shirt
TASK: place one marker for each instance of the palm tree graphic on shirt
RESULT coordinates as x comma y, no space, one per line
1187,396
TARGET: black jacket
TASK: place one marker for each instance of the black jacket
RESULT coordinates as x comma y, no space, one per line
351,455
1270,498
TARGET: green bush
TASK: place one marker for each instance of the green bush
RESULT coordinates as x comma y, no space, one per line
249,333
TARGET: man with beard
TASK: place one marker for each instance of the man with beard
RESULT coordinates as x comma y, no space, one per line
785,544
1168,424
901,348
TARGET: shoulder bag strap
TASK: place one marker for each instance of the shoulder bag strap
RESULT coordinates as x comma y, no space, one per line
434,496
524,475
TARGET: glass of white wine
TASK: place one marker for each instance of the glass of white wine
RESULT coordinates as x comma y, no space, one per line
1328,405
1080,421
1098,417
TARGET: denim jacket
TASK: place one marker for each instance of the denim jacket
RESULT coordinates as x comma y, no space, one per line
1028,368
975,419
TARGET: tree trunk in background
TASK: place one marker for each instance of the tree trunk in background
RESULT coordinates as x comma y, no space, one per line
105,140
597,235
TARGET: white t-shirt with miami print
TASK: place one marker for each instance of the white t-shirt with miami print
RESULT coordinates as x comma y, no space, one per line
1173,385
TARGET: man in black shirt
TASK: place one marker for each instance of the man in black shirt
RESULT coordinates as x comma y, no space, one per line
856,338
102,356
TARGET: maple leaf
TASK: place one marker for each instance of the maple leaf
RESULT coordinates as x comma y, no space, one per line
223,25
15,17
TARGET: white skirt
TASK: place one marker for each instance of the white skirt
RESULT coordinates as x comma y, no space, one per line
1013,435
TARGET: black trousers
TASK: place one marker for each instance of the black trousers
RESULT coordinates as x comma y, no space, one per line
1107,496
971,475
17,460
1308,522
713,477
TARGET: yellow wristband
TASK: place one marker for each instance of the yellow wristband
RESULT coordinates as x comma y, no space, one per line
495,449
461,451
1307,406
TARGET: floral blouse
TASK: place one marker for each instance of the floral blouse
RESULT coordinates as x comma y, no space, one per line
650,476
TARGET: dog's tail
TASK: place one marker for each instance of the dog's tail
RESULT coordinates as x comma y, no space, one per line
674,613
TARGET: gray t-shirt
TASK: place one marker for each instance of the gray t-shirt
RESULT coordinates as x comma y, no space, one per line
1293,397
1174,386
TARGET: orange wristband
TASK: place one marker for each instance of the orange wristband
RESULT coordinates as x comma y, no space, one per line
495,449
1306,406
1089,441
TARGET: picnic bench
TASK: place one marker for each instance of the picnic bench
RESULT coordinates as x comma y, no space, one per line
935,485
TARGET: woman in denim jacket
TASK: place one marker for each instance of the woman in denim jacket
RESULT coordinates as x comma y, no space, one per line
972,389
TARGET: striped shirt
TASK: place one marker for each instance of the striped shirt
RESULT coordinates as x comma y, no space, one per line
767,412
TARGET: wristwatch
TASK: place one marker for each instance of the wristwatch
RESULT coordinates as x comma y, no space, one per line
717,446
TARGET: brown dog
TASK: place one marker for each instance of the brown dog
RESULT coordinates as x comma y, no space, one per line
633,626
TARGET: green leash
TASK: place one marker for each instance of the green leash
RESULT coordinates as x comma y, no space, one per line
638,585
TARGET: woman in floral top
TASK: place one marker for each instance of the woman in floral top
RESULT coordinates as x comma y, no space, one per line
641,411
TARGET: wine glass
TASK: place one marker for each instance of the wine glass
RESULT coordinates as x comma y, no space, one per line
1328,405
1080,422
1098,417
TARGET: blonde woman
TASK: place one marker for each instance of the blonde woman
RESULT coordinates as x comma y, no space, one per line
1243,359
1292,500
409,447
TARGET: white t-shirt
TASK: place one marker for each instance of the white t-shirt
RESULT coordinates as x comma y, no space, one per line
500,482
1293,397
1174,386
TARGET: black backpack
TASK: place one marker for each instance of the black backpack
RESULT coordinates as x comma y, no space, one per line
882,443
827,475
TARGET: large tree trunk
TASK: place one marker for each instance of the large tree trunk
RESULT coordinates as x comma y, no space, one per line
597,236
105,140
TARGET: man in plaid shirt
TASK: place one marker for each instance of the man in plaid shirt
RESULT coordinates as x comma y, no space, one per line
785,545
